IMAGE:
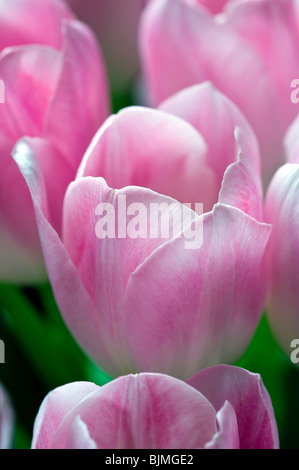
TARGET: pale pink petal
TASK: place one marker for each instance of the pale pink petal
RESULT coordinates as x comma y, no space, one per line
247,394
183,44
21,258
57,175
29,74
79,437
227,135
215,117
139,146
32,21
281,210
55,408
191,308
227,436
242,185
80,102
105,261
78,308
148,411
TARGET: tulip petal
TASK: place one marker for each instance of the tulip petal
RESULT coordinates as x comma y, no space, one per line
183,44
105,262
227,436
71,295
20,251
79,437
29,74
51,163
242,185
143,411
281,210
219,289
55,408
81,88
119,154
227,133
249,398
215,117
19,26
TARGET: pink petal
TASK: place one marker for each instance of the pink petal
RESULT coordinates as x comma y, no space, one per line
227,436
119,154
105,263
79,437
217,119
51,163
55,408
20,251
148,411
182,44
242,185
32,21
249,398
219,296
78,308
30,74
80,102
281,210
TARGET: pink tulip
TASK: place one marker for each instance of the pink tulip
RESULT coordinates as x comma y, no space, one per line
116,25
281,210
56,97
222,407
143,301
249,50
7,420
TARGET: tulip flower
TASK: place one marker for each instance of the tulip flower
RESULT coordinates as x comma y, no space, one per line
281,210
222,407
7,419
247,48
136,296
56,97
116,25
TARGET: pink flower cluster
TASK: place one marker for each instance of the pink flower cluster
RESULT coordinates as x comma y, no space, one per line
218,123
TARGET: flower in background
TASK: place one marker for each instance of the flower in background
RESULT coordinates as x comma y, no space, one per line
282,211
146,303
223,407
58,97
116,25
247,48
7,420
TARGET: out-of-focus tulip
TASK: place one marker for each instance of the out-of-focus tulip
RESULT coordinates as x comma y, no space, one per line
7,420
116,26
56,97
249,50
282,211
144,301
222,407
